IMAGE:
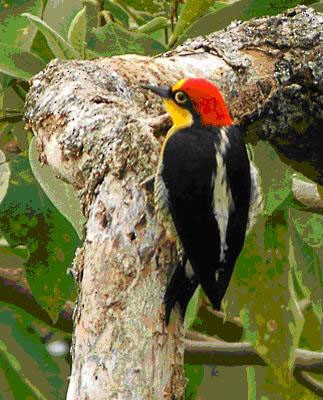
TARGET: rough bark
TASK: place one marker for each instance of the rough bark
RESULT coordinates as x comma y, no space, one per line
99,131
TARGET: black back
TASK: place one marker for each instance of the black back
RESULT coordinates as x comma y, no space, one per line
189,164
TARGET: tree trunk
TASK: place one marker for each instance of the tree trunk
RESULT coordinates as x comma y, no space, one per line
101,132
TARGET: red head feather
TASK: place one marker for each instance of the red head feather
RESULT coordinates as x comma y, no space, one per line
208,101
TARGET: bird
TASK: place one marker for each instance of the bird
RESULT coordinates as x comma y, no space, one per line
204,183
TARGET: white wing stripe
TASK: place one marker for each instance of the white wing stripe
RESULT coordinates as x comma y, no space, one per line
222,197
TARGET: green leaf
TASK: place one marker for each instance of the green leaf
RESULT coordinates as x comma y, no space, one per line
153,25
218,5
59,14
192,309
58,45
61,194
40,47
28,218
276,185
252,383
147,6
21,89
19,63
311,338
4,176
118,12
92,14
261,273
307,267
5,81
13,257
11,100
15,30
20,385
194,374
309,226
112,39
13,139
77,31
20,136
191,11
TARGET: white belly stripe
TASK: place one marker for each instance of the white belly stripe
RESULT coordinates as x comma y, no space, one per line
189,270
222,198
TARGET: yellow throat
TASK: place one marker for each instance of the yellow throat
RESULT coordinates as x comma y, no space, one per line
181,117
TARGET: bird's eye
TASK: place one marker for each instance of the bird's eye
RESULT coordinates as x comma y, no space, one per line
180,97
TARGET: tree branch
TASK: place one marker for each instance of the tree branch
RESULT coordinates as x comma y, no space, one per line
203,350
309,360
221,353
212,351
215,324
310,383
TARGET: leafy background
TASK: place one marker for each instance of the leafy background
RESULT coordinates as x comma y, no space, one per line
279,269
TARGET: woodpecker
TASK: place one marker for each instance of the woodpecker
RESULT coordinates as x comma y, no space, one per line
204,181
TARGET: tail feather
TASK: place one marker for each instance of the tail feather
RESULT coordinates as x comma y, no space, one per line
179,291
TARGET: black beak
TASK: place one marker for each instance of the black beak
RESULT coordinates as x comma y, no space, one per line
162,91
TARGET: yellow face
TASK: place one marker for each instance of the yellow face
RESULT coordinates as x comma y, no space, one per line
180,116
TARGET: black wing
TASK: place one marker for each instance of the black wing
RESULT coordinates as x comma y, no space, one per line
190,168
180,289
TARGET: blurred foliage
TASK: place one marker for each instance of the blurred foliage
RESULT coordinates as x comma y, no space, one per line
23,343
41,222
28,218
60,193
